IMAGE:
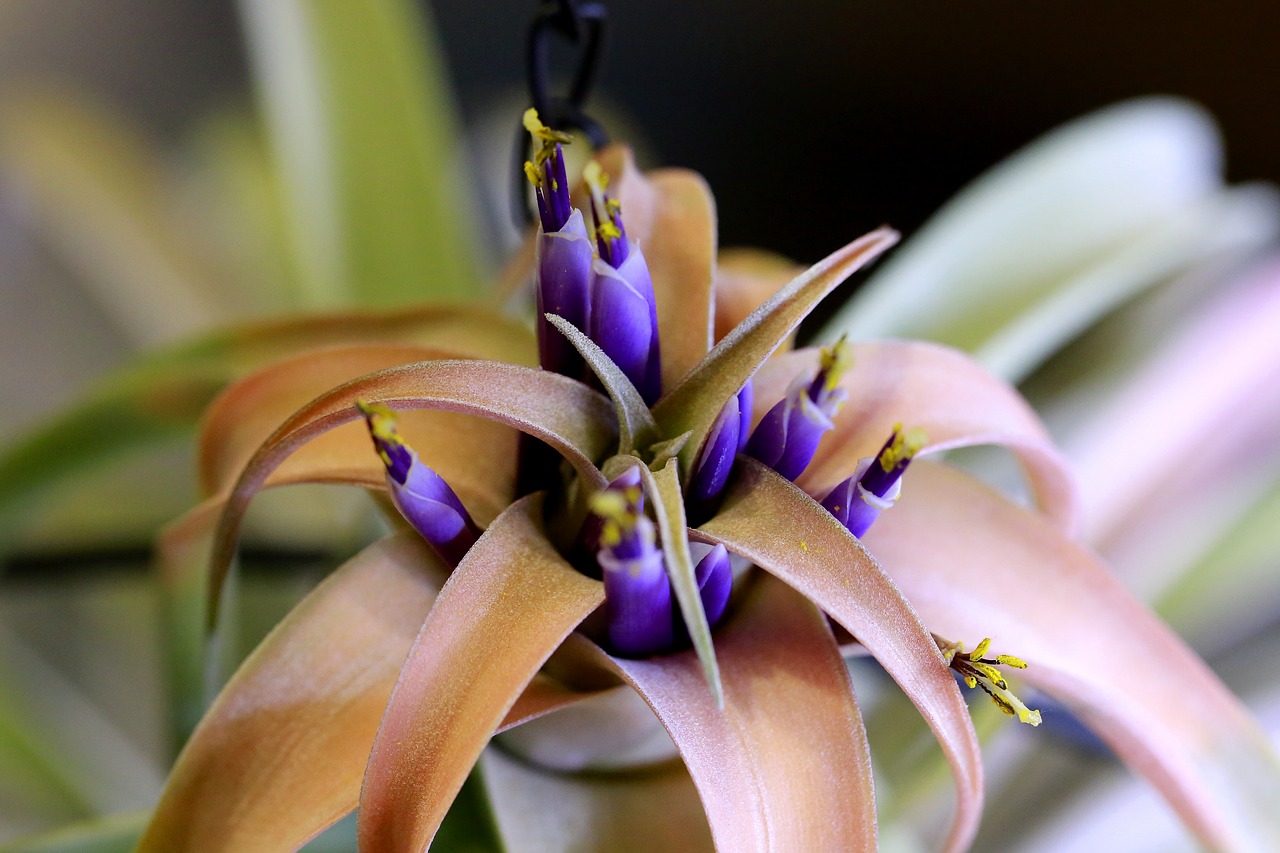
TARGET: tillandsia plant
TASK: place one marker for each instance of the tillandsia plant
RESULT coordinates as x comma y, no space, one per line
819,528
473,614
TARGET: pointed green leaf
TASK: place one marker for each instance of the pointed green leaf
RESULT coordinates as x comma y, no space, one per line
636,427
696,402
668,506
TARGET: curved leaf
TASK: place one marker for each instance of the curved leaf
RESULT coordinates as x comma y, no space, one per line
635,424
668,507
509,604
161,398
696,402
781,529
784,764
988,568
946,393
367,144
576,421
476,457
280,755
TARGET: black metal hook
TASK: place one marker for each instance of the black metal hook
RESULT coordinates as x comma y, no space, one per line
581,24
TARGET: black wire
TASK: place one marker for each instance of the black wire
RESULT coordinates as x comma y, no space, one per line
582,25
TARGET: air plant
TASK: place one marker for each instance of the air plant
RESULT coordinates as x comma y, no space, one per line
599,622
383,688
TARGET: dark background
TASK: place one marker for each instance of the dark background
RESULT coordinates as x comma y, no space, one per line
812,120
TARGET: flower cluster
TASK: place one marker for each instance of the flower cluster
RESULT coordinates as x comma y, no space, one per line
536,587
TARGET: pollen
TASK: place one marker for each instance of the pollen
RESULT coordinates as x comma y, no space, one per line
545,135
619,511
382,422
532,173
979,671
835,362
905,445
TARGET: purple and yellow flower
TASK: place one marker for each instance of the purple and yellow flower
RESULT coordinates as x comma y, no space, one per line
382,689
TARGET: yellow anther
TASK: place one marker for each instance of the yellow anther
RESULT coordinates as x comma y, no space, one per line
608,230
595,177
906,444
618,511
532,173
548,138
834,361
382,421
541,132
382,425
978,671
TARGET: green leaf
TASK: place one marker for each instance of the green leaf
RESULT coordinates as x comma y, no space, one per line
696,402
668,505
636,427
114,834
367,143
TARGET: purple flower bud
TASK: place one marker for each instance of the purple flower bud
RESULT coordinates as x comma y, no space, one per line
636,588
875,485
563,271
715,462
788,435
746,402
714,574
624,322
421,495
628,332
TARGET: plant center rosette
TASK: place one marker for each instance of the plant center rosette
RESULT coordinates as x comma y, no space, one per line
661,517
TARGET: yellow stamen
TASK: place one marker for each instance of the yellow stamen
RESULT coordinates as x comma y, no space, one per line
546,136
980,671
532,173
595,177
906,444
382,424
607,209
834,361
618,511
